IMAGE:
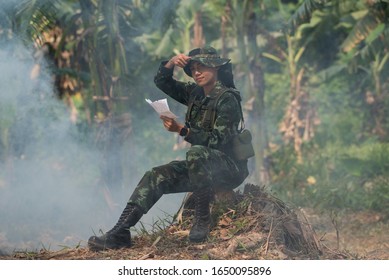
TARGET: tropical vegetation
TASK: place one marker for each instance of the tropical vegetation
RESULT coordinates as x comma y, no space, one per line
313,76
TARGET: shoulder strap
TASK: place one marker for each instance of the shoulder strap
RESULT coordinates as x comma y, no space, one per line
213,109
191,102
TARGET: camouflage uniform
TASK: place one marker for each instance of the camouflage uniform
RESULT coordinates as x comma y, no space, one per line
208,162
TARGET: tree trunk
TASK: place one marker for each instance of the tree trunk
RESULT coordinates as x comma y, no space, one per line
198,40
256,107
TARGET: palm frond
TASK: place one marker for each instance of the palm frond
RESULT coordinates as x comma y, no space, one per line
303,14
330,72
379,44
34,17
369,25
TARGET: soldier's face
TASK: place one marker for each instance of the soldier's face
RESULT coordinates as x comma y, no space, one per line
204,76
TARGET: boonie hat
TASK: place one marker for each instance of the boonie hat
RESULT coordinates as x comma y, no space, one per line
207,56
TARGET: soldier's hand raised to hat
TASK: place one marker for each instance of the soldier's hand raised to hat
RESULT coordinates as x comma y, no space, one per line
179,60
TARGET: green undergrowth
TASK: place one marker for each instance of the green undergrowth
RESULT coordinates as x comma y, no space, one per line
354,178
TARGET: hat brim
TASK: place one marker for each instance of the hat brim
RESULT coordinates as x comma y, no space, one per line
211,62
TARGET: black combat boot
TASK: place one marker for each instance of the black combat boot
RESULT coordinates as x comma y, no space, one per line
119,236
202,220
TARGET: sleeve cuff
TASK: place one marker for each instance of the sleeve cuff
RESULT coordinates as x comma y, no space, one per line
165,71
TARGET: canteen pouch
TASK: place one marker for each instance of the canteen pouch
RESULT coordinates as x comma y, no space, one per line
242,147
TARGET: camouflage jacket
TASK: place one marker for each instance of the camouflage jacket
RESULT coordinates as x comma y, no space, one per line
228,114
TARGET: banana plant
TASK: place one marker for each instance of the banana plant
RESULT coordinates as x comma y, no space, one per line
304,14
365,18
296,125
300,58
12,23
90,34
365,46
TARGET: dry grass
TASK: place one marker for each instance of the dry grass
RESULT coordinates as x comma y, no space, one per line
251,225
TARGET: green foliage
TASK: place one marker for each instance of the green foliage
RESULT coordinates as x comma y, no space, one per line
304,13
354,177
378,193
127,39
275,101
339,111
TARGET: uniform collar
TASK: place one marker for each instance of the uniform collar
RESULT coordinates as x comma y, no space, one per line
216,90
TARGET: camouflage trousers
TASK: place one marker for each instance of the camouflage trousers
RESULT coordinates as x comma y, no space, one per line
203,168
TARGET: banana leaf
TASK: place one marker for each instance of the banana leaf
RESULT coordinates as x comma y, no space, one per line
363,29
304,14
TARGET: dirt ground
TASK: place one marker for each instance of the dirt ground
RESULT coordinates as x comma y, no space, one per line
362,235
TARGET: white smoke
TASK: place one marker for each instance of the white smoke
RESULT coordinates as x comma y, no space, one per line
46,177
51,192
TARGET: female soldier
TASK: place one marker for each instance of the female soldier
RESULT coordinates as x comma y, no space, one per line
212,120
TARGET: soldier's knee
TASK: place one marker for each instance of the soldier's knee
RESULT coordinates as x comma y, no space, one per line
145,179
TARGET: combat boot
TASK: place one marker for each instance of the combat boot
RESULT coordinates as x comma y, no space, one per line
202,220
119,236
